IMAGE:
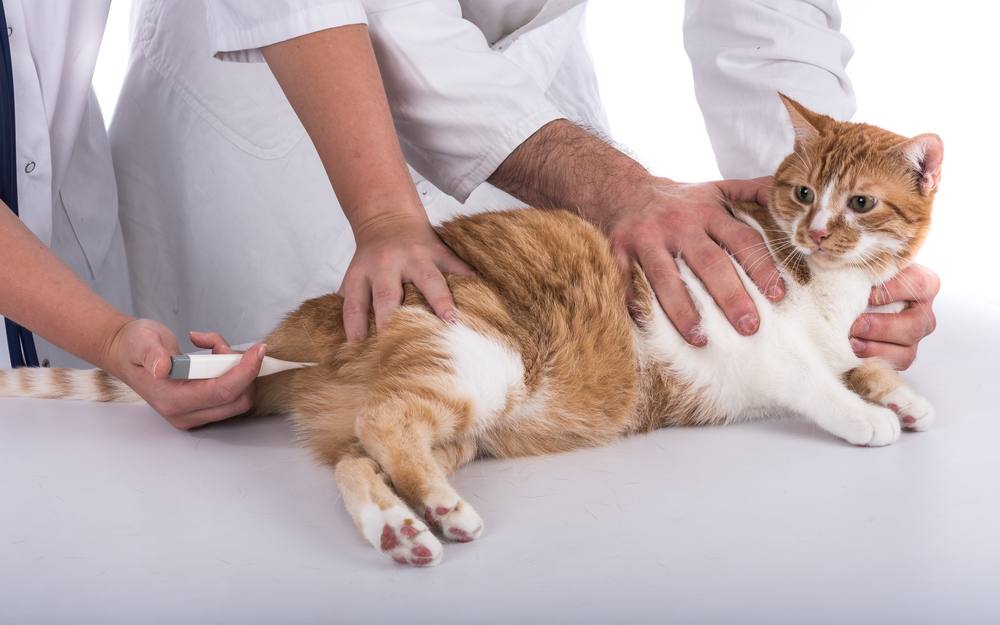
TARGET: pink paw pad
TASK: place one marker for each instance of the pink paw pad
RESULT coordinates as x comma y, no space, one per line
908,420
389,540
400,560
421,561
429,517
421,552
409,531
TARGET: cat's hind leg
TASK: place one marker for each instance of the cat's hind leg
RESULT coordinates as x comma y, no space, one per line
382,517
401,435
878,383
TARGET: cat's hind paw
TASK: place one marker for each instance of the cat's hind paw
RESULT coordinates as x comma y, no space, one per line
458,522
915,412
397,533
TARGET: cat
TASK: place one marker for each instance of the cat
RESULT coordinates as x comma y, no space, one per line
545,357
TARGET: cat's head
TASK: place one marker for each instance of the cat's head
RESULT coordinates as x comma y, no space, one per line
853,194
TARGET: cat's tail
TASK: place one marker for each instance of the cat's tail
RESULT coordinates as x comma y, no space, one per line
77,384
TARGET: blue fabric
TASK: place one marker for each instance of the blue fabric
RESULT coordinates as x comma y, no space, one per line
20,342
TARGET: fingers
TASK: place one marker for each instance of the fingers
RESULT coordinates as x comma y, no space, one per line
752,253
429,281
205,416
212,341
387,295
661,271
356,308
754,190
716,272
915,283
905,328
450,263
228,387
899,356
193,396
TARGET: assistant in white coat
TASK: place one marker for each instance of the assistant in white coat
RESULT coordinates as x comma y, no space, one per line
230,221
65,181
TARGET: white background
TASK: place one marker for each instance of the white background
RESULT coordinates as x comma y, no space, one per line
919,66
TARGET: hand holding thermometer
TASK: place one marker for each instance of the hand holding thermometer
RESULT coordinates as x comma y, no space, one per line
205,366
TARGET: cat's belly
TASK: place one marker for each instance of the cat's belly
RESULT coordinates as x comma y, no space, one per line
740,377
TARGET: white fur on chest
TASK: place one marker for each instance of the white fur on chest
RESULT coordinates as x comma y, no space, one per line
803,336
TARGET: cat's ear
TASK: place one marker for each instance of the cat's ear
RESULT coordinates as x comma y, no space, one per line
924,154
807,124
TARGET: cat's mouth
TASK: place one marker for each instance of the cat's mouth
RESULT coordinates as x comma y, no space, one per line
822,256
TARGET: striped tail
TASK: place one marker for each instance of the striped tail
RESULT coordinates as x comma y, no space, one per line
77,384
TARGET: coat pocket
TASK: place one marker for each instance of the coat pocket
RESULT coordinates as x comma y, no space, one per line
242,101
88,192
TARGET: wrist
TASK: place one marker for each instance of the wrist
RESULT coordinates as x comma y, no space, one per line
113,330
634,194
389,221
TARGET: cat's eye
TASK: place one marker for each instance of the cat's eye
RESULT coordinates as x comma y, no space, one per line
862,203
804,194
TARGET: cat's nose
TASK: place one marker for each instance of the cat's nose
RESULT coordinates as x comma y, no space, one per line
818,235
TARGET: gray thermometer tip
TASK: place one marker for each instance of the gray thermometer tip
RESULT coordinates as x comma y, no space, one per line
180,367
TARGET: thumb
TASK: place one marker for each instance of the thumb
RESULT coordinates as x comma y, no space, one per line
154,356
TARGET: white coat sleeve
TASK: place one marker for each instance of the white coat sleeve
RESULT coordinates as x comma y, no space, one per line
238,29
745,51
460,107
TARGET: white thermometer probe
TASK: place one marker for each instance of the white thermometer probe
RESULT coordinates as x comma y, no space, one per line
204,366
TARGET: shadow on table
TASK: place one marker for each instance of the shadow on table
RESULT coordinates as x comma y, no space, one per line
269,431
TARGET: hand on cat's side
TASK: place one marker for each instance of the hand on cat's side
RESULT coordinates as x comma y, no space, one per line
390,251
139,355
689,221
894,337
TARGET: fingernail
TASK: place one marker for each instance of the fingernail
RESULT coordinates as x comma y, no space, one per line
858,345
861,326
697,337
747,324
262,350
156,363
776,291
450,317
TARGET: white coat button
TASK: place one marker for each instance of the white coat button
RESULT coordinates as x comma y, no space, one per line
30,167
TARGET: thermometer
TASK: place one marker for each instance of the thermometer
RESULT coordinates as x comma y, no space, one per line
204,366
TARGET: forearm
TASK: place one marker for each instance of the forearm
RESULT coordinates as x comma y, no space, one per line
38,291
332,81
564,166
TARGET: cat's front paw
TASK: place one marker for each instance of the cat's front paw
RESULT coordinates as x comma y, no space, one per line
915,412
876,427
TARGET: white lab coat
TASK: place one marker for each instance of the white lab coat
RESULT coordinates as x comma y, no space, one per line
228,216
65,181
67,193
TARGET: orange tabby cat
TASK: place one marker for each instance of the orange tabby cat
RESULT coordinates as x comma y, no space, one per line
544,356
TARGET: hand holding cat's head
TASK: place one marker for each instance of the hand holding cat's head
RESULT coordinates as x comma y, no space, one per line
853,194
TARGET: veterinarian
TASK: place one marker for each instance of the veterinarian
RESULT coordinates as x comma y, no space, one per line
64,275
231,221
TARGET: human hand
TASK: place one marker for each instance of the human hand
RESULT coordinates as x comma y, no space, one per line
139,355
894,337
689,220
392,250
